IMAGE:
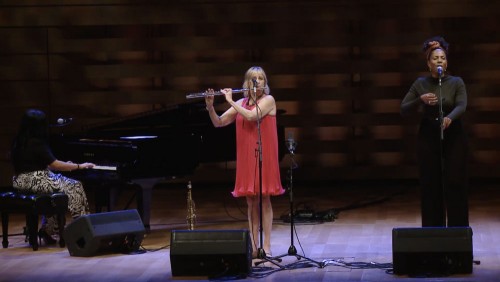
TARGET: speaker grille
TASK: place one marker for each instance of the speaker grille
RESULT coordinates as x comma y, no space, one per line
432,250
212,253
89,235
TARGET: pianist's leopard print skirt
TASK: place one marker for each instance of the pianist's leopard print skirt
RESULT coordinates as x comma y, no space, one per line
45,181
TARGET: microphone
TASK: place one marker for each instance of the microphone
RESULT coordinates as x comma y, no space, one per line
440,71
63,121
254,81
290,143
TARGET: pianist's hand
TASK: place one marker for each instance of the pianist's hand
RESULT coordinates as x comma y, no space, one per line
86,165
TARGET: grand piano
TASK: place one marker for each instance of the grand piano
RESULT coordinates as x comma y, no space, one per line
144,149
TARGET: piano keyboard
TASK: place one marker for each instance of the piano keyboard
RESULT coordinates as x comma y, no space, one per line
104,167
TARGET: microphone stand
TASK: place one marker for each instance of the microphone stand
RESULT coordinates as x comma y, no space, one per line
441,142
261,254
441,113
292,251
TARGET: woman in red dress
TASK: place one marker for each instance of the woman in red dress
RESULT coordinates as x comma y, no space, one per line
256,104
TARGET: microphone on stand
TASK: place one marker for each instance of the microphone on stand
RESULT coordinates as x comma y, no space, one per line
254,81
440,71
64,121
290,143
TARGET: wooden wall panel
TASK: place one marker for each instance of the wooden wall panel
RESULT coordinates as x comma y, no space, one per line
338,68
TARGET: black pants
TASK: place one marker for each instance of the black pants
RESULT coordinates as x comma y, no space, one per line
444,191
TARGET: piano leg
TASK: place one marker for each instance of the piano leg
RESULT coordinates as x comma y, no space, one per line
106,195
144,197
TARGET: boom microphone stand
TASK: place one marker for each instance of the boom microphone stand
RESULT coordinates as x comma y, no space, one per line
292,251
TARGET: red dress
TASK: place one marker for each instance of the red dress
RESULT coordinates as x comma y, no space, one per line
247,160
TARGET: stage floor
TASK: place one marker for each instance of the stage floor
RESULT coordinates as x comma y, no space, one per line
360,236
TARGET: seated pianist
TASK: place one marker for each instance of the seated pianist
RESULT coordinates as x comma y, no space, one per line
34,165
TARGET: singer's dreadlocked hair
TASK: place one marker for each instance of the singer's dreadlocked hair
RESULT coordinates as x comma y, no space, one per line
433,43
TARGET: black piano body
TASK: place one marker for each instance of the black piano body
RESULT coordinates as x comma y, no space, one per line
145,149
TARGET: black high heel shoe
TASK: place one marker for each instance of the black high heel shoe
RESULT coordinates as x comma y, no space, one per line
43,235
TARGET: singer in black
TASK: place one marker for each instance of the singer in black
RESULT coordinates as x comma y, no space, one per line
34,162
442,159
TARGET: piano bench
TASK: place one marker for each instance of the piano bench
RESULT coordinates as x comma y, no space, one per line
33,205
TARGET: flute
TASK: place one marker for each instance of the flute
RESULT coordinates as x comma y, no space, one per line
215,93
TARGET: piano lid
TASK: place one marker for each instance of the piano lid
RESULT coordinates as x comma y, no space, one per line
180,117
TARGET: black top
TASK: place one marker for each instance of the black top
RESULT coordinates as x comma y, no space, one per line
36,155
452,90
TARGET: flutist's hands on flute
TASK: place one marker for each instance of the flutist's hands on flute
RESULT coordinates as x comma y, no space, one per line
228,93
228,116
209,99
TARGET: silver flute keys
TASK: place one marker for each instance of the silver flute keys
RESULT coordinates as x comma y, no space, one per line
191,216
215,93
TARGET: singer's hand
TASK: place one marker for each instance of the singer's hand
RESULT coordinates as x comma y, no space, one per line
429,99
446,122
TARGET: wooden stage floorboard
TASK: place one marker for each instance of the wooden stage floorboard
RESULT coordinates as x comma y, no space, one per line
362,232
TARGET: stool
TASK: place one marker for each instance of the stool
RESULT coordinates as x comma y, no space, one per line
33,205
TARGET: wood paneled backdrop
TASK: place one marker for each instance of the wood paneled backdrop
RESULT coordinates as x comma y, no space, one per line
338,68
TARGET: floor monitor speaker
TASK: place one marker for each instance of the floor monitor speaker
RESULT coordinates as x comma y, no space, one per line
432,251
210,253
107,232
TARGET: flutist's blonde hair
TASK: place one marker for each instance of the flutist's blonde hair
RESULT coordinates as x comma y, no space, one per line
250,74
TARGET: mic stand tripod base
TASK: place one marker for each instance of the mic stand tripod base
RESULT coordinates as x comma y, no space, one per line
293,252
261,254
